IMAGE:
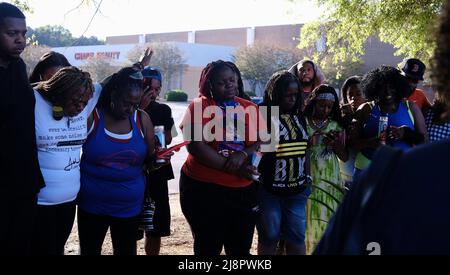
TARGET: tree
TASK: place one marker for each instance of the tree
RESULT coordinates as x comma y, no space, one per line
99,68
31,55
336,74
167,57
347,25
52,36
22,5
87,41
58,36
258,62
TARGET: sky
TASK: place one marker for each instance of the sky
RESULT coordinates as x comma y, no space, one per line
122,17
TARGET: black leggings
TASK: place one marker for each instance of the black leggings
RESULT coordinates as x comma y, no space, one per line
53,226
92,231
18,217
219,216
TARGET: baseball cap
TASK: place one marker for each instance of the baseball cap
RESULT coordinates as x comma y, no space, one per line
152,73
413,68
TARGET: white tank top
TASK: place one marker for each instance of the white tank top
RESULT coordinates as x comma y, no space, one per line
59,149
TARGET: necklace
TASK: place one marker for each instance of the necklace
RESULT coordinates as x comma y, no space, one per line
320,124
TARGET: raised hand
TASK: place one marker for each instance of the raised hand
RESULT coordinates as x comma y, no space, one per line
145,61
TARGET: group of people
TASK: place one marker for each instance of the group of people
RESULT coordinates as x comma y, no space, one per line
324,144
75,147
51,117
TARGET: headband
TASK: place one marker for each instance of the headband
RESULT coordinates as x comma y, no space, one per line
326,96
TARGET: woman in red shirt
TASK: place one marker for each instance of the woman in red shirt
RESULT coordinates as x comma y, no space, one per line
217,194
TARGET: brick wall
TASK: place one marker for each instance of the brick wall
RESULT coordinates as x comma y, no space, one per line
227,37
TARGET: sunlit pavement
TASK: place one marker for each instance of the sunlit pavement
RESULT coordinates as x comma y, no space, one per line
178,110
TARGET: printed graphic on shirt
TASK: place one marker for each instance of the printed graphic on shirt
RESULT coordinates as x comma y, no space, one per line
283,172
120,160
234,139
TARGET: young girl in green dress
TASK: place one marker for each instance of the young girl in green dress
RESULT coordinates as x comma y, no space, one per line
327,143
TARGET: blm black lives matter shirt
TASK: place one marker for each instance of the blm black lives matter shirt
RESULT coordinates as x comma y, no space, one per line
283,171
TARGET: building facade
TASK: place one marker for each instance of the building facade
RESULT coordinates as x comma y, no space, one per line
203,46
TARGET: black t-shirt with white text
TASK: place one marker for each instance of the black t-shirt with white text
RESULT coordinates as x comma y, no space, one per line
283,171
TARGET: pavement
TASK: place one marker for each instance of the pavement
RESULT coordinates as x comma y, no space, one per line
178,110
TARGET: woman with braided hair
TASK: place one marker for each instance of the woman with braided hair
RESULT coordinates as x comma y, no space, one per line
217,194
285,173
62,107
63,104
120,140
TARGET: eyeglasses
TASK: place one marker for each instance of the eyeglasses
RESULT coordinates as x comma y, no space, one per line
137,75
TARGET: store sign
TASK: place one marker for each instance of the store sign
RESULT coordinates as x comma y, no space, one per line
106,55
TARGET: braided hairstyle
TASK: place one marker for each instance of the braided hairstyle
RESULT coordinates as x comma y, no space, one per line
324,89
47,61
118,86
64,83
276,87
209,73
441,73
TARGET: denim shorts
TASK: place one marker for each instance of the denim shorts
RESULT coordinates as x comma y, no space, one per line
282,217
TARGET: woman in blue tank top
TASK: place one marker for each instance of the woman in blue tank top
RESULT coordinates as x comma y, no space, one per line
386,90
112,176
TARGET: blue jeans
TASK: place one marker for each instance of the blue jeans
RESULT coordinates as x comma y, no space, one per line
281,217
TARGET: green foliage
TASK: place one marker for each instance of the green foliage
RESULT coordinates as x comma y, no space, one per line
87,41
408,25
23,5
257,63
336,74
176,96
58,36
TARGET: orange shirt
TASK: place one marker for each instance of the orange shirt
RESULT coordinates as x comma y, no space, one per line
419,98
198,171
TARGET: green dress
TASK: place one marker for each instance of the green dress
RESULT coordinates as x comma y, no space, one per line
327,188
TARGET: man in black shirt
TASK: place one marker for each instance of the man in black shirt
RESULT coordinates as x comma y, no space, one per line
21,178
157,180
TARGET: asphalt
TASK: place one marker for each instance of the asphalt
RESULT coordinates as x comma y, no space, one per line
178,110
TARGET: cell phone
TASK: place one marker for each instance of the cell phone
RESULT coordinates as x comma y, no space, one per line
171,149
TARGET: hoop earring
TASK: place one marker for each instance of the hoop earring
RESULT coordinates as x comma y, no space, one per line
111,105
